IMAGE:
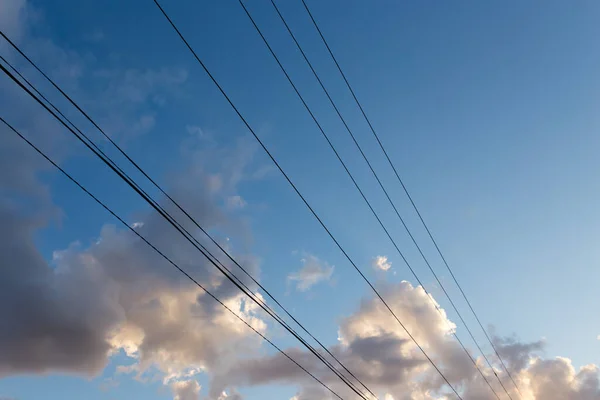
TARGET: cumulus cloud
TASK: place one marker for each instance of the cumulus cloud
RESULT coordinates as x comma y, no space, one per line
379,352
313,271
118,296
381,263
185,390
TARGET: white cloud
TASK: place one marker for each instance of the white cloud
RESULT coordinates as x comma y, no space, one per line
381,263
377,350
137,225
313,271
117,295
185,390
231,395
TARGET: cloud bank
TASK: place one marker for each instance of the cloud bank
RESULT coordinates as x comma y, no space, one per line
374,347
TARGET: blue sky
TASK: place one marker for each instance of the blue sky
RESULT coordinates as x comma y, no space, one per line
489,112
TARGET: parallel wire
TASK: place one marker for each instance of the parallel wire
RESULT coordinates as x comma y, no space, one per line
409,196
232,278
330,366
298,192
406,228
163,255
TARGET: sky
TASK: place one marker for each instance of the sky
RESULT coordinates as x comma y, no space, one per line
488,110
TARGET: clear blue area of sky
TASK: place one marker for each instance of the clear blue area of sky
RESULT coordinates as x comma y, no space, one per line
489,111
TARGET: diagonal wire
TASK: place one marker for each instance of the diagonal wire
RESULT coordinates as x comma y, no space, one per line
406,228
175,203
183,231
80,186
364,196
178,32
408,194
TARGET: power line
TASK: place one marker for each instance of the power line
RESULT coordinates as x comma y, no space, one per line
297,191
407,193
240,285
374,173
362,193
281,321
164,256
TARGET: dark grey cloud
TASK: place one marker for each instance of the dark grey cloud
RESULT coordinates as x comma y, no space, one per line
515,352
43,328
116,294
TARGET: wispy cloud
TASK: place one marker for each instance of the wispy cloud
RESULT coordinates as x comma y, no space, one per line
235,202
313,271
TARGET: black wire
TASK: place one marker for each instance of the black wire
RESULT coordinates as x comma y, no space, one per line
407,192
181,230
406,228
178,206
297,191
256,299
162,254
358,187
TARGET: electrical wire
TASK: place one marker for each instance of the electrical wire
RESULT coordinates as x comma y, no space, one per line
409,196
80,186
182,230
175,203
298,192
406,228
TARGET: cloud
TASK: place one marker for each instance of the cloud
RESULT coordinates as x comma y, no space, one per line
235,202
117,296
371,344
13,16
198,133
230,395
121,98
264,171
374,347
381,263
313,271
185,390
144,124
